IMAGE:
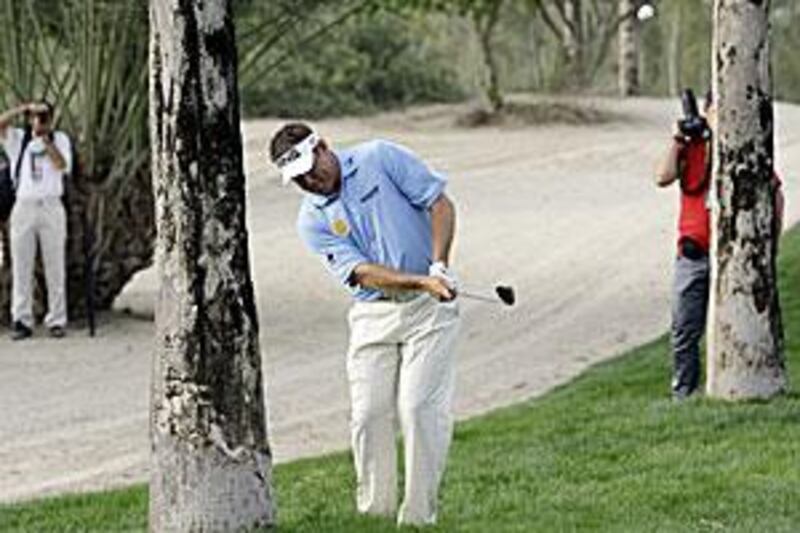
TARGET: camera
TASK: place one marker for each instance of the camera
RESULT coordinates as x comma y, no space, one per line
44,111
692,126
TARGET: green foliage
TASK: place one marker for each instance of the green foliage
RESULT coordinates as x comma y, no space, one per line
88,57
484,15
681,33
366,64
785,44
470,8
692,20
607,452
62,53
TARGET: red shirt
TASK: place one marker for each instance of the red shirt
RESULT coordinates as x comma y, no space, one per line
695,218
695,221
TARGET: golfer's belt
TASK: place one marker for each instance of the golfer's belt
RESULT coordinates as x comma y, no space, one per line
399,296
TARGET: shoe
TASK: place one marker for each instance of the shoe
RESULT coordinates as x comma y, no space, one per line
683,395
20,331
57,332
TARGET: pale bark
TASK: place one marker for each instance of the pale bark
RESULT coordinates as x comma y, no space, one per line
211,462
573,41
674,50
628,49
745,344
572,24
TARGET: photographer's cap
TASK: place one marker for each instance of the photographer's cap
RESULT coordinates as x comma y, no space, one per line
299,159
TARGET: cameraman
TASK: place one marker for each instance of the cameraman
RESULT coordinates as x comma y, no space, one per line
688,162
39,158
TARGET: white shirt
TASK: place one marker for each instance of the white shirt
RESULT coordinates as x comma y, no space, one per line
38,177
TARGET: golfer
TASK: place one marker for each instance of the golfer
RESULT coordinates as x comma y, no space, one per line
380,221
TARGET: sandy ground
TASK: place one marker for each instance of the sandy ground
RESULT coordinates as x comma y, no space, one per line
568,215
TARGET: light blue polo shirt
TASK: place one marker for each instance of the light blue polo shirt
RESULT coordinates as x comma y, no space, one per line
380,214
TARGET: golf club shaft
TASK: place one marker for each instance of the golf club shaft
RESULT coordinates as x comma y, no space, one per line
481,297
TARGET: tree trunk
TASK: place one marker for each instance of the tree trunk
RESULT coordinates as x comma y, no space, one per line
745,347
211,463
485,26
537,62
674,51
573,42
628,50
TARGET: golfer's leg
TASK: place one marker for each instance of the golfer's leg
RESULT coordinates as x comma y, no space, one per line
372,372
23,255
53,239
427,382
690,302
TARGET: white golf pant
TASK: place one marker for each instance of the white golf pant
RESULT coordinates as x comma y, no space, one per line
401,363
42,222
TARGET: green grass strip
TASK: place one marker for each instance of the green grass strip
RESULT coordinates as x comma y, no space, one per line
608,451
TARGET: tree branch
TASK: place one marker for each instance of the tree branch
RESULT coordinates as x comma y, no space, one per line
549,21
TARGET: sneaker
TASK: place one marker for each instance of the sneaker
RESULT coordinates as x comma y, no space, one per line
57,332
20,331
683,395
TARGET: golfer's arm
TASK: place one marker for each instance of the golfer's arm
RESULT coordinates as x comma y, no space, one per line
443,226
669,168
373,276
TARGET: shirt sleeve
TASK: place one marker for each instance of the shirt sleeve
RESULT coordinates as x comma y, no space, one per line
11,145
418,182
339,254
64,145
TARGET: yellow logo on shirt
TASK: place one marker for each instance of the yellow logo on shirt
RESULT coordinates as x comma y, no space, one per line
340,227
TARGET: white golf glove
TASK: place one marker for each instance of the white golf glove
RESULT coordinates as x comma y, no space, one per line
439,270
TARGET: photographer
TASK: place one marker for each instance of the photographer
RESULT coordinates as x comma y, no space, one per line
39,158
688,162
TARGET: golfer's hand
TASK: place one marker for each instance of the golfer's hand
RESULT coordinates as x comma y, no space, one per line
439,270
438,288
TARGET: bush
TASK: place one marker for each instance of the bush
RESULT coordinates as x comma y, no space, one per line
368,64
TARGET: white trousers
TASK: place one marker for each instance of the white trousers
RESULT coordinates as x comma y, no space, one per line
43,223
401,364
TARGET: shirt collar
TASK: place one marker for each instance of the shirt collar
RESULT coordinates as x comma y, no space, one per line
348,166
347,162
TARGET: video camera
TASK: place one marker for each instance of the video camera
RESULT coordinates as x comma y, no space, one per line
692,126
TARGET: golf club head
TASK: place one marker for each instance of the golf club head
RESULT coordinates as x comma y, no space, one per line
506,294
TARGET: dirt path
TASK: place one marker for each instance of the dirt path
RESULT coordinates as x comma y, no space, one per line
568,215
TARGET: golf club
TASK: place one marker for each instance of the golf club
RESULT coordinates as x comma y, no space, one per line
504,294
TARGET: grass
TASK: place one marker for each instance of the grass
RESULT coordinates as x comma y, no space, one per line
608,451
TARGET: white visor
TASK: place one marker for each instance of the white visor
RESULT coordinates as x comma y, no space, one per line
299,159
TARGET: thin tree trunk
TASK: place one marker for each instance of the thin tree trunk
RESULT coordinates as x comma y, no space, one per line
211,462
628,50
485,30
573,42
746,346
674,51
